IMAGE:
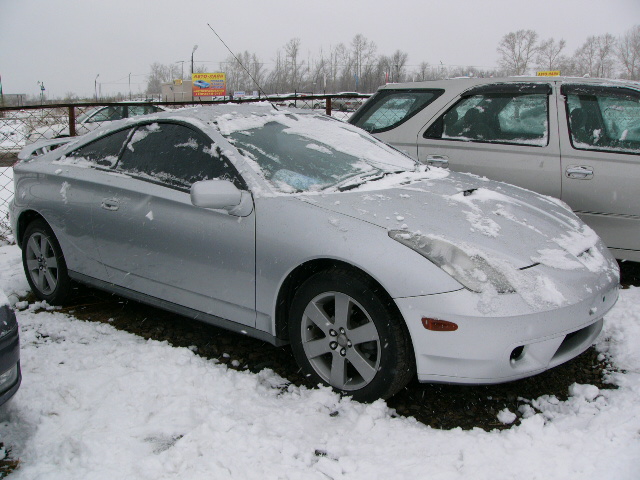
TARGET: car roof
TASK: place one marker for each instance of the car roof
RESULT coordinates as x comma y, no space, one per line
462,82
209,113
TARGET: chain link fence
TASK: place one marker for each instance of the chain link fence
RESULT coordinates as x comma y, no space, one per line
21,126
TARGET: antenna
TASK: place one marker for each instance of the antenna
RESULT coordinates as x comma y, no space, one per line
240,63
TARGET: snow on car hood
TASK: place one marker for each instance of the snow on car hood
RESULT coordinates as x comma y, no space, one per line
535,241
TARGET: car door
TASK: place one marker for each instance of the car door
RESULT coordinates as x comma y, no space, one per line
77,180
600,149
152,239
506,132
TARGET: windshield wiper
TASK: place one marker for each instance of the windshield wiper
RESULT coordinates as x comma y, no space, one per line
356,181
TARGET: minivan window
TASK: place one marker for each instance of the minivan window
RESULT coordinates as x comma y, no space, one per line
604,119
389,108
512,118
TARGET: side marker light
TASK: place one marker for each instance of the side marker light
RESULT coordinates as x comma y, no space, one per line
436,325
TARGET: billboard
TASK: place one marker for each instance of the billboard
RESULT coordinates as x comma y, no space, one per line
209,84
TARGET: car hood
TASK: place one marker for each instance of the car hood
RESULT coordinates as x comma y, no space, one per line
512,228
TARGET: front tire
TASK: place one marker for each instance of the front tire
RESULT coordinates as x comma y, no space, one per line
346,333
44,264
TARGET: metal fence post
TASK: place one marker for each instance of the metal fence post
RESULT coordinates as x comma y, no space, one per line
72,121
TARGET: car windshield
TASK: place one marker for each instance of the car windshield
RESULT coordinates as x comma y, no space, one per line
300,153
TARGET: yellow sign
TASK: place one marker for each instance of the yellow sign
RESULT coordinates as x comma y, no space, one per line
209,84
178,81
549,73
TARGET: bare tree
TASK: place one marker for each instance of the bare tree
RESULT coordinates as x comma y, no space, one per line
363,53
549,51
398,64
295,70
517,50
628,53
244,72
160,74
595,57
423,73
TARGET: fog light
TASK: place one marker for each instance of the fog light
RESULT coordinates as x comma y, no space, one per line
516,354
9,377
437,325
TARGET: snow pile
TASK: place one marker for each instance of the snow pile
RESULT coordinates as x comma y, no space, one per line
97,403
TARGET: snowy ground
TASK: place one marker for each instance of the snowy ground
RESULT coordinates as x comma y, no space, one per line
99,403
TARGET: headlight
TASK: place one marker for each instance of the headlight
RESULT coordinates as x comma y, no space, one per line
470,269
7,320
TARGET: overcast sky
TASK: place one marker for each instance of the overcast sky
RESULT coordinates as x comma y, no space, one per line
65,44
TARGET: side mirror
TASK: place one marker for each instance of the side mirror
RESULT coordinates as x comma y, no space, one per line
221,195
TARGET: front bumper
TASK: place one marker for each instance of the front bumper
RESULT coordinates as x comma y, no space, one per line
489,348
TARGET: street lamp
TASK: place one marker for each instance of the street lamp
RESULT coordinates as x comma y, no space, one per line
129,86
195,47
95,86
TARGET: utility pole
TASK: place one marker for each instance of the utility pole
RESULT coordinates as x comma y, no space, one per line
95,86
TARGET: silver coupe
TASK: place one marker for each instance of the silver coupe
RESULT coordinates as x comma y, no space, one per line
297,228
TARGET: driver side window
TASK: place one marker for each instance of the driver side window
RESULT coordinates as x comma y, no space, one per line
175,155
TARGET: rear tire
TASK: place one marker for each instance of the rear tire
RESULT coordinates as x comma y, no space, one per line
347,334
44,264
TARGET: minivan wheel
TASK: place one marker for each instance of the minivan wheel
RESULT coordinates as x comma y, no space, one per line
44,263
346,334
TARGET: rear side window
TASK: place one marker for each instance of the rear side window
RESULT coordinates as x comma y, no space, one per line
107,114
517,117
135,110
389,108
175,155
602,118
104,151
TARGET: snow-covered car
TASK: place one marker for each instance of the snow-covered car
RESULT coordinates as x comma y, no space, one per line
294,227
577,139
349,103
92,119
10,374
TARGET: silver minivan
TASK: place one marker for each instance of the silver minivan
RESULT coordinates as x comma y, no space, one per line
576,139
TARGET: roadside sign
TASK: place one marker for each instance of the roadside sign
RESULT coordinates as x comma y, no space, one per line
209,84
549,73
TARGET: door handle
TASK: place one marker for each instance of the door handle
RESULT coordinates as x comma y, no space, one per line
581,172
438,161
110,204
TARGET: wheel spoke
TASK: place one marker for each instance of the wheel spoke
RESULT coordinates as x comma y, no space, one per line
318,317
361,364
40,281
338,371
364,333
52,261
32,264
44,245
315,348
342,305
35,248
51,280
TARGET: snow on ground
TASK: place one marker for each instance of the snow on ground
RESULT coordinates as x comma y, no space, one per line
98,403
